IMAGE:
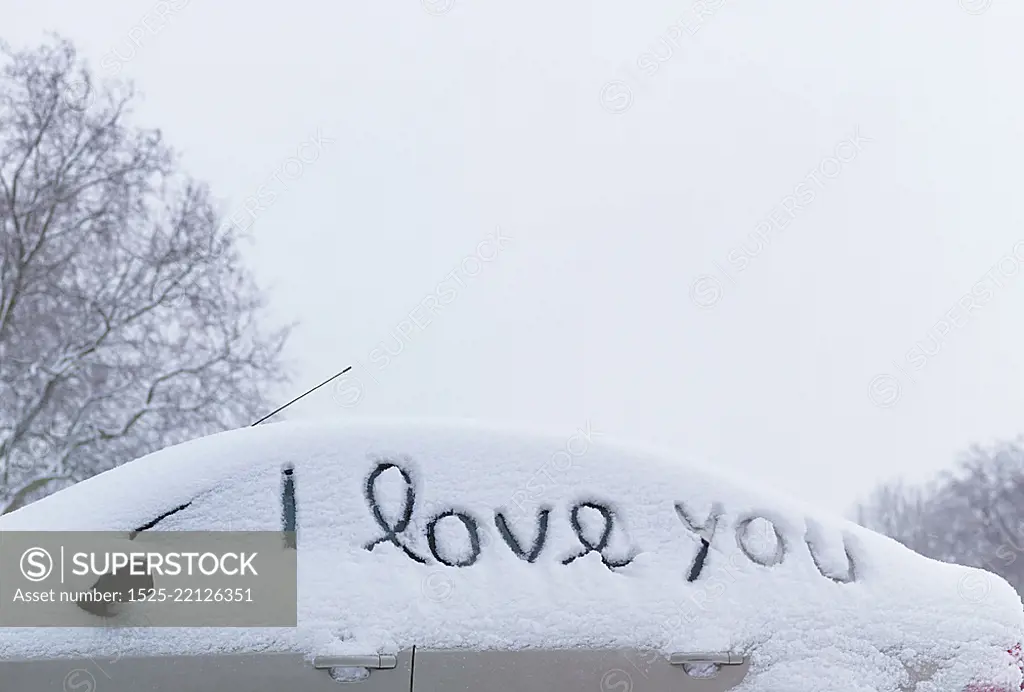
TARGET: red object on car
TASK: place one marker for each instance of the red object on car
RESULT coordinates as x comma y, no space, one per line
1017,656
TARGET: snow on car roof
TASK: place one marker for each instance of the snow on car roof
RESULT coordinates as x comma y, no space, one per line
456,535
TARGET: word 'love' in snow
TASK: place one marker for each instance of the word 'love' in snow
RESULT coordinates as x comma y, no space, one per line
394,532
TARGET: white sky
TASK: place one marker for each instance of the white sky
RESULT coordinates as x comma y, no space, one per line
451,118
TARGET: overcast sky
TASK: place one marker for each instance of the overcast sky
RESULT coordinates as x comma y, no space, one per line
778,238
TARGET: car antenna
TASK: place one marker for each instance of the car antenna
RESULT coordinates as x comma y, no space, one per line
277,411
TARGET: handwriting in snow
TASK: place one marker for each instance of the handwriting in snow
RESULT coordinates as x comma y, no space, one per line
529,548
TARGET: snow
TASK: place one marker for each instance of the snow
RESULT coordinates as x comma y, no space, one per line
762,590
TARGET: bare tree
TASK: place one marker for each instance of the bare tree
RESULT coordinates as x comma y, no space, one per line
973,515
127,320
899,511
982,505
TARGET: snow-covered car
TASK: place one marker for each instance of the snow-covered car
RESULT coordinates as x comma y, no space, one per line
450,556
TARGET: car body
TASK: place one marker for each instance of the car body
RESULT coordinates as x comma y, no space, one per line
446,555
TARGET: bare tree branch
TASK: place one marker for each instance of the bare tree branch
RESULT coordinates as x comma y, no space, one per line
973,515
127,319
